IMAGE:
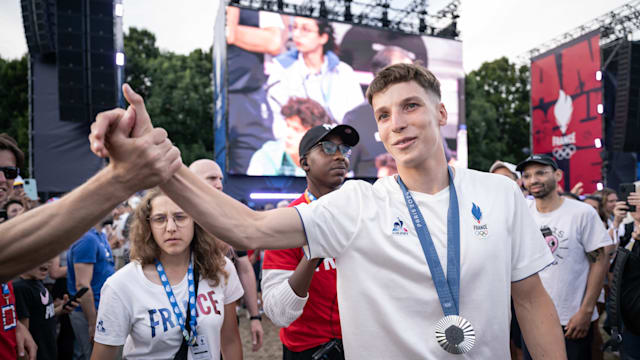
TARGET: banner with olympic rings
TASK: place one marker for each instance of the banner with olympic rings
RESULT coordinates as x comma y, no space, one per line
566,108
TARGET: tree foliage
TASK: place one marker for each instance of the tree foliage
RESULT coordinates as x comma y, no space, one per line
497,113
14,102
177,91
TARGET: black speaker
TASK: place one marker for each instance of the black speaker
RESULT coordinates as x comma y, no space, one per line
626,122
71,45
102,55
87,75
39,22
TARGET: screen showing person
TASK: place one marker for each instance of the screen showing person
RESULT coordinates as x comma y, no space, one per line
313,69
333,63
280,157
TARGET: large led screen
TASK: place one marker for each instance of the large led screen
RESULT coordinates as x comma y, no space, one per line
296,73
566,102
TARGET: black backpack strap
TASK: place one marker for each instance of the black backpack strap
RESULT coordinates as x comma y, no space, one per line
615,298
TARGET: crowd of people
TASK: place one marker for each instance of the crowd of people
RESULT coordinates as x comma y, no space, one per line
429,262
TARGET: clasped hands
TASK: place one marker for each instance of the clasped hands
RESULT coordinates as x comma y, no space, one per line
140,156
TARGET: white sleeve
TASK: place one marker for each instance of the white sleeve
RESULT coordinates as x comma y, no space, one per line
331,222
233,288
269,19
281,304
594,234
113,322
529,251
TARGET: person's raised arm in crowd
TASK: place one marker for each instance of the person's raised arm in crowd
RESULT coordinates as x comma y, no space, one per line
243,227
267,40
136,163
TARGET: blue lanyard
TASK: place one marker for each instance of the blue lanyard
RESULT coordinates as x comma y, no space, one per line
309,196
5,290
193,322
448,288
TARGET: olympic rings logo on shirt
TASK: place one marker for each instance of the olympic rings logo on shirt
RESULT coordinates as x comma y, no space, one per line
482,233
565,152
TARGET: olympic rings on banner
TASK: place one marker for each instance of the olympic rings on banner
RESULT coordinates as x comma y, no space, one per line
565,152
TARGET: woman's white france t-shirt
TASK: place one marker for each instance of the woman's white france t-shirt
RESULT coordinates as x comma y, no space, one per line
136,312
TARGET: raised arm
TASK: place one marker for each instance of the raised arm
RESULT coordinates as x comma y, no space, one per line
266,40
32,238
231,220
215,211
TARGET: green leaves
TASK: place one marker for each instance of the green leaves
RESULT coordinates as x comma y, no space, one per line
497,113
177,90
14,103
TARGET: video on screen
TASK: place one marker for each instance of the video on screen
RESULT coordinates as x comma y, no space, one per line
310,72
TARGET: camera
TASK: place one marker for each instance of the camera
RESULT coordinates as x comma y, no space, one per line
328,350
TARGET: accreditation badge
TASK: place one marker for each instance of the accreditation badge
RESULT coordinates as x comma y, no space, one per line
200,350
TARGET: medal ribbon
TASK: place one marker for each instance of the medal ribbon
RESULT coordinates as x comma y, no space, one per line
448,288
193,322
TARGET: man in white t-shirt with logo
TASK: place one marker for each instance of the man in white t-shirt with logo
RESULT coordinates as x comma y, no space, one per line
577,238
394,299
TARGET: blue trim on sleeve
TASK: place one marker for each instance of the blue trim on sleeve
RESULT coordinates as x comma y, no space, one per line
305,248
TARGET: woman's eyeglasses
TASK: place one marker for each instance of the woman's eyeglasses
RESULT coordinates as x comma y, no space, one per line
160,220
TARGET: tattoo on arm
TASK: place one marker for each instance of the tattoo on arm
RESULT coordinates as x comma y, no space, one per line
594,255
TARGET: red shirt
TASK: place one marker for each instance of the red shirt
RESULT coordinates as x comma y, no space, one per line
8,326
320,319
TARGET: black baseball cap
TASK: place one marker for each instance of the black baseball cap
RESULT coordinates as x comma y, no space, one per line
538,159
316,134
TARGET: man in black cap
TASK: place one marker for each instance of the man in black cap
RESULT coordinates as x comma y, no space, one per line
577,239
288,281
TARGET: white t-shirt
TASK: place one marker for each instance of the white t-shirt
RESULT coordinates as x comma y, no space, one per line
136,312
576,230
387,300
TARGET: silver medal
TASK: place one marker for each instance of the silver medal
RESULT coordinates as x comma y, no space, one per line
455,334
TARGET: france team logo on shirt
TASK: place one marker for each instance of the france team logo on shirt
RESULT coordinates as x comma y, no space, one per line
480,230
399,228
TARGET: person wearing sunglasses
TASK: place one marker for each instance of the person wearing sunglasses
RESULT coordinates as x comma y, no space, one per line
280,157
11,160
303,304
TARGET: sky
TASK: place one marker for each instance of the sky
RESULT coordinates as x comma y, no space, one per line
489,29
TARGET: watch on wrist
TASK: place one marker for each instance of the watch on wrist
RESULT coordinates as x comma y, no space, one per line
256,317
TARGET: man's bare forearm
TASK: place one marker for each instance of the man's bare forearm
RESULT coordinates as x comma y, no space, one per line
538,319
598,266
228,219
261,40
300,280
34,237
88,307
248,281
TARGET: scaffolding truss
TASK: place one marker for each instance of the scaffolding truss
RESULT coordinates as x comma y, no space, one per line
615,24
411,19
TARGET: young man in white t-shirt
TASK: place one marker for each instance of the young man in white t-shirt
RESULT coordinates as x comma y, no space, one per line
388,304
577,238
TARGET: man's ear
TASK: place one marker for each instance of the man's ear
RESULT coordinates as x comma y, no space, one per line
558,175
304,164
